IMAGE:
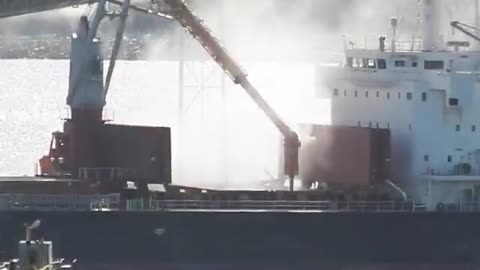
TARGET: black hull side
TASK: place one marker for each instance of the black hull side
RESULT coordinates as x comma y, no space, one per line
263,240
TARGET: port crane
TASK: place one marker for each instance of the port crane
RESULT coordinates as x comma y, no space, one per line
182,13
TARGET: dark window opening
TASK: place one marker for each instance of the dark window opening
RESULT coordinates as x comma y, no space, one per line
388,95
378,94
356,93
449,158
349,61
355,63
414,64
409,96
364,62
400,63
369,124
388,125
335,92
366,94
426,158
457,128
359,124
433,65
424,97
97,67
453,101
474,128
382,64
399,95
377,125
345,92
410,127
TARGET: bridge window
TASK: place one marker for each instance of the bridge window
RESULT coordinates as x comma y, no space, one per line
335,92
349,61
400,63
358,63
364,62
382,64
453,101
433,64
371,63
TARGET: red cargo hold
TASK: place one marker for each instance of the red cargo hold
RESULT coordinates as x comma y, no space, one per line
345,156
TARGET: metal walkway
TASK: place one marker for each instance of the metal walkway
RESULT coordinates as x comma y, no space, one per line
272,206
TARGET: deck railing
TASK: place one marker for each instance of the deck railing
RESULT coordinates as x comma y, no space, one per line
107,173
257,205
68,202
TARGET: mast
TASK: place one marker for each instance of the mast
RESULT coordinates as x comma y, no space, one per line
476,14
431,31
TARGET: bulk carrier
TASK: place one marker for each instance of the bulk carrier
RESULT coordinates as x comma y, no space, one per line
391,184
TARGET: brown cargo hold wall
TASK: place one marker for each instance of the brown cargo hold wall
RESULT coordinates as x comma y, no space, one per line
147,150
345,156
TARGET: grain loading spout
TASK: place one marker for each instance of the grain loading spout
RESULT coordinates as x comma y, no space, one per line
182,12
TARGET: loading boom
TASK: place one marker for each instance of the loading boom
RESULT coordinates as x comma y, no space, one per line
195,26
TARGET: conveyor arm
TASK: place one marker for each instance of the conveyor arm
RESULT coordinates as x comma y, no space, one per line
195,26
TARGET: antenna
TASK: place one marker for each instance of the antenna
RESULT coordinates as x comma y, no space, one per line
430,25
476,14
394,24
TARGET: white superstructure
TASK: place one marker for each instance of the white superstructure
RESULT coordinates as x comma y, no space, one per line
428,95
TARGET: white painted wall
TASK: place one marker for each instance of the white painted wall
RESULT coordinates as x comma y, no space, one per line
424,132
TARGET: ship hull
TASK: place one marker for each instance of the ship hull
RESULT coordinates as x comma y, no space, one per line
253,240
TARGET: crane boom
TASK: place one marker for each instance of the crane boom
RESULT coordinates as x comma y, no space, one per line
10,8
466,29
195,26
